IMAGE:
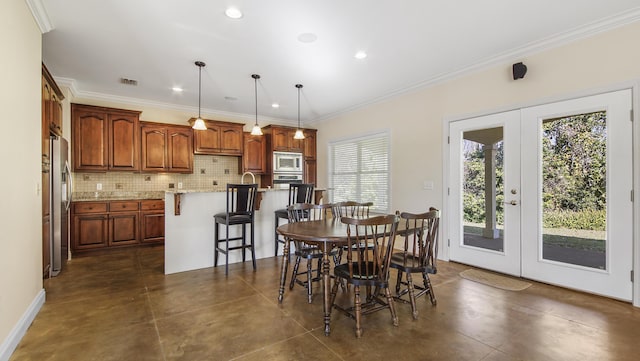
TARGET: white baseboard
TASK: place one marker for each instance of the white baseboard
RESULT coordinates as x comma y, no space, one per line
11,342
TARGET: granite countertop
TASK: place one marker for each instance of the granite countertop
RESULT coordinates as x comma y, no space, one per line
125,195
110,196
181,191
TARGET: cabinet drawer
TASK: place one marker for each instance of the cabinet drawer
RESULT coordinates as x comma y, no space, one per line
150,205
123,206
90,207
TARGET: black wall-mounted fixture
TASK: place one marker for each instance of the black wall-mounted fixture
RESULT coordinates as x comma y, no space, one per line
519,70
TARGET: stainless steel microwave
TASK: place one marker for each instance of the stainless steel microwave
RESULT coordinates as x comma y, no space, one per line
287,162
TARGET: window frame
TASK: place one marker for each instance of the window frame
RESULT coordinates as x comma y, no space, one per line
358,141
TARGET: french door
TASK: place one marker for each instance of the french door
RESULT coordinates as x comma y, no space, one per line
545,193
485,160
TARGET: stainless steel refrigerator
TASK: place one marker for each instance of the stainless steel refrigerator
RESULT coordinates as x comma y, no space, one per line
61,187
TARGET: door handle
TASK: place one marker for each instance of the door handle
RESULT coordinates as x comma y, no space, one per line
513,202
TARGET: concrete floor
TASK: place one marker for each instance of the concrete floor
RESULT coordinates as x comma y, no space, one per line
121,306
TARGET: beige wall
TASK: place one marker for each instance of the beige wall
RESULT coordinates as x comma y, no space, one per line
415,119
20,151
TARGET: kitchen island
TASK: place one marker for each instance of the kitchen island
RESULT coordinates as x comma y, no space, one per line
189,241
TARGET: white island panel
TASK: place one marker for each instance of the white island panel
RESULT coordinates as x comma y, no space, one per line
189,237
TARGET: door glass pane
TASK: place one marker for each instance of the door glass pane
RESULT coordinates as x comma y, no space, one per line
483,188
574,197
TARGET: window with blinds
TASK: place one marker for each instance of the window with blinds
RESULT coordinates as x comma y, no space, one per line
359,170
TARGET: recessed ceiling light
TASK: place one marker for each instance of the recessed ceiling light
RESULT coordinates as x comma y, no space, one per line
177,89
231,99
233,13
275,105
360,55
307,37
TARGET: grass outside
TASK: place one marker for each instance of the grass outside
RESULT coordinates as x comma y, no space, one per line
568,238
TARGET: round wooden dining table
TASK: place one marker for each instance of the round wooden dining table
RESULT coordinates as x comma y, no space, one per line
325,234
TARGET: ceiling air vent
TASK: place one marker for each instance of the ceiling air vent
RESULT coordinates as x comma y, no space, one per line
128,81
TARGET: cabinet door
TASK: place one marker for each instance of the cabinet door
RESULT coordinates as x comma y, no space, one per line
180,149
280,139
207,141
310,169
123,137
253,158
123,228
154,149
231,139
295,145
152,227
309,144
90,138
89,231
55,120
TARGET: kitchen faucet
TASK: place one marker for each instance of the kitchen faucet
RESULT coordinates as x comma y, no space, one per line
253,177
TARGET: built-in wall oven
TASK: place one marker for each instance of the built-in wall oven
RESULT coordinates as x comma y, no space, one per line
282,180
287,169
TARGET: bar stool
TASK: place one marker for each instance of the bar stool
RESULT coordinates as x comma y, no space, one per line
240,211
298,193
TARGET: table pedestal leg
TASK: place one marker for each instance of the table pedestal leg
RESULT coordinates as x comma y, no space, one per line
326,285
283,271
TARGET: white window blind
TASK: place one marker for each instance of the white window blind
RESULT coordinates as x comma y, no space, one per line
359,170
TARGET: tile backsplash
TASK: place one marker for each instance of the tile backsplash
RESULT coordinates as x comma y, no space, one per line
207,170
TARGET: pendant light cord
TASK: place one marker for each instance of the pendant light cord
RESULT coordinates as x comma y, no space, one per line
199,88
299,86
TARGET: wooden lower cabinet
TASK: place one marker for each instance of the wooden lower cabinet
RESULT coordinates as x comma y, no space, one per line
107,224
152,221
123,228
90,231
152,227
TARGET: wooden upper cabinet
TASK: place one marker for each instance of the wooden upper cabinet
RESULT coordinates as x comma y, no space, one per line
180,149
123,137
255,149
309,144
90,138
154,148
231,139
104,139
220,138
51,103
282,138
166,148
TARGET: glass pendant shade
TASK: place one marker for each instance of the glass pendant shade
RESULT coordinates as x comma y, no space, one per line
256,128
199,123
299,134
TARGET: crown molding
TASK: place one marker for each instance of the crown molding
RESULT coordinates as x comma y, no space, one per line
529,49
40,15
69,84
136,102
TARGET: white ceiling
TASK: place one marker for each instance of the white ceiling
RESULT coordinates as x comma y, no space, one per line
410,44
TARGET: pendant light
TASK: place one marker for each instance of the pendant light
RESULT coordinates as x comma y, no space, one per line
299,134
256,128
199,123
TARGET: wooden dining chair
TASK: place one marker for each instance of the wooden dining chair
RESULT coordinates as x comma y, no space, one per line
419,255
298,193
367,268
301,212
350,209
